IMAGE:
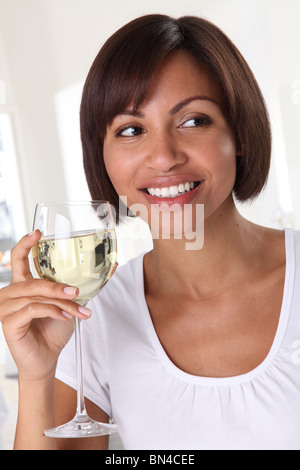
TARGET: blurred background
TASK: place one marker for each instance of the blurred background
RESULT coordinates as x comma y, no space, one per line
46,50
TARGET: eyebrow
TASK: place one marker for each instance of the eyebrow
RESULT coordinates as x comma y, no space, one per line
132,112
178,107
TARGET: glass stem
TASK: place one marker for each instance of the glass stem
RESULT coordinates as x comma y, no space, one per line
81,411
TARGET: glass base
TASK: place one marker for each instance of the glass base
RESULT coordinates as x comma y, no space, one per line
79,428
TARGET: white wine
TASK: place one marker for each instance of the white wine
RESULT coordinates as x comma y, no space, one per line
84,260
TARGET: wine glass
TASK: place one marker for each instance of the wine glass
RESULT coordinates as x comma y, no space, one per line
78,247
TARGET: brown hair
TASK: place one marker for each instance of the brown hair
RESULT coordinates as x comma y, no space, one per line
121,75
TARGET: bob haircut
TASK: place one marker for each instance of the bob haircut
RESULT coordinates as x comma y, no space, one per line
121,74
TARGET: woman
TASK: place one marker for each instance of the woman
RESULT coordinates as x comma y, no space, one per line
186,349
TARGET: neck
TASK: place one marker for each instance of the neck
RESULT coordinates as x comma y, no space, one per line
229,244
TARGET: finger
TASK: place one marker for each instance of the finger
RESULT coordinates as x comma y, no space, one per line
15,326
112,273
115,268
67,308
19,256
40,288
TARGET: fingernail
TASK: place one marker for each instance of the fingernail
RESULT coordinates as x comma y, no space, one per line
85,311
33,232
71,290
67,315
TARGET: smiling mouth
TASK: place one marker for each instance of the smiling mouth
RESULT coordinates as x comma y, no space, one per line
173,191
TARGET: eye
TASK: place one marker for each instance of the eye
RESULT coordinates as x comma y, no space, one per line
130,131
199,121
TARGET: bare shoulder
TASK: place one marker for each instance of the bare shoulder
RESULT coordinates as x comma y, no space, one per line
271,246
274,242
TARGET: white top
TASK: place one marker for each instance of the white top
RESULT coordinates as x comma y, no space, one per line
158,406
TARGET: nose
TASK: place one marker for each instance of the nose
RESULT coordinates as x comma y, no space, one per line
164,152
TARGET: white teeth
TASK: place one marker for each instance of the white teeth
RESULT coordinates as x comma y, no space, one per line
171,191
174,191
165,192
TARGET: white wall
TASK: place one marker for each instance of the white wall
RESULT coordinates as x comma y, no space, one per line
47,47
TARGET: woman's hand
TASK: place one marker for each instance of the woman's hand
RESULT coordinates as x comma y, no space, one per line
35,315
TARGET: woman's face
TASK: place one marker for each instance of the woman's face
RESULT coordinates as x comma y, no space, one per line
178,148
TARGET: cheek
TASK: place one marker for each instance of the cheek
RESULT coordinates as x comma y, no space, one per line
118,169
228,147
109,166
226,143
218,149
112,163
226,154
